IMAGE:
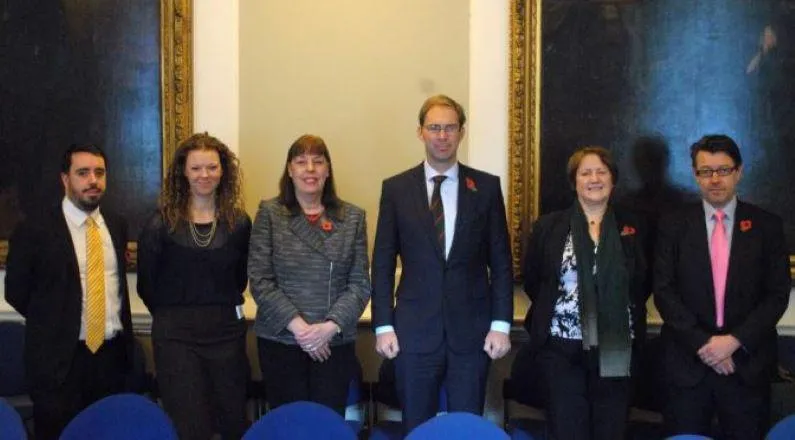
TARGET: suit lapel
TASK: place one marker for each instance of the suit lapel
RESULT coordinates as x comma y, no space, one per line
739,242
119,247
307,233
627,238
67,248
333,241
419,194
558,240
701,257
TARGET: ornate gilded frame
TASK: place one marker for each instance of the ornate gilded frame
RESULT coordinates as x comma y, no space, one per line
525,124
176,86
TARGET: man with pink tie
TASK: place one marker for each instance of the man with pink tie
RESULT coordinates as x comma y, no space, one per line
721,283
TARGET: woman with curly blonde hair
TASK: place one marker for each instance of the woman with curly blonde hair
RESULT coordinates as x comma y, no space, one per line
192,258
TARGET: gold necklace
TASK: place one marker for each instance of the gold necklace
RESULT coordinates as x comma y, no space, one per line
203,240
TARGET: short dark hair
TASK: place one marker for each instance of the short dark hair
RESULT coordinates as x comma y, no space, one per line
716,143
601,152
308,144
442,101
66,161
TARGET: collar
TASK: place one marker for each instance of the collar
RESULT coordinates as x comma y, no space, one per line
729,209
76,216
430,173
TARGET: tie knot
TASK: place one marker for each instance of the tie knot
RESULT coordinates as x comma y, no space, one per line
719,216
439,179
91,222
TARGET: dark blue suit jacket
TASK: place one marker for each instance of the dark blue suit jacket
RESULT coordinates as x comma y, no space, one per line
439,301
757,291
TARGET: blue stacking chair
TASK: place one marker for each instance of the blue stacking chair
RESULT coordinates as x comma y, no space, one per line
782,390
357,405
13,385
301,421
525,417
783,430
648,400
121,417
11,427
689,437
458,426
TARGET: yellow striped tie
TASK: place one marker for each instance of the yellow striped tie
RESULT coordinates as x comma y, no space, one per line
95,287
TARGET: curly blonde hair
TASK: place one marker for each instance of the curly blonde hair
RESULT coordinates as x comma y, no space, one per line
175,194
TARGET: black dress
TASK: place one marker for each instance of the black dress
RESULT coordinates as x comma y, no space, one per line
195,294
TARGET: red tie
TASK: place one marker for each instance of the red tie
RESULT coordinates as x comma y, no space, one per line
719,252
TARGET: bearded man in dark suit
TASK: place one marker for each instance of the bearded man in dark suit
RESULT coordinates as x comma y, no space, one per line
66,275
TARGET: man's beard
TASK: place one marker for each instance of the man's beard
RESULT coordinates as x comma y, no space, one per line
88,204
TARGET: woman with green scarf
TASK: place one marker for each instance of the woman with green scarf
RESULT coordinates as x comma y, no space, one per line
586,275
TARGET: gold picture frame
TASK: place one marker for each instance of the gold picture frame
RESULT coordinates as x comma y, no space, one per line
525,124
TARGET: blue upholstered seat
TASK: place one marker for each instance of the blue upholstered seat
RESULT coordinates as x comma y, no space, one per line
121,417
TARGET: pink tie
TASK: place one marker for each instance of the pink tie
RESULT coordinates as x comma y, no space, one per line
719,252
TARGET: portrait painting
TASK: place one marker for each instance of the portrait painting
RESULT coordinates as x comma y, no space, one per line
114,73
646,79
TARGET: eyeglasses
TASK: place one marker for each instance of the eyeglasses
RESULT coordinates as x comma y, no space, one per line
709,172
438,128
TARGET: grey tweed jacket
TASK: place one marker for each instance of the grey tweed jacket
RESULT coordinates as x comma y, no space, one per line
295,268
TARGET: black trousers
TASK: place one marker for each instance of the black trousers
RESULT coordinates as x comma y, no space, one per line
742,410
91,377
419,376
580,404
202,370
291,375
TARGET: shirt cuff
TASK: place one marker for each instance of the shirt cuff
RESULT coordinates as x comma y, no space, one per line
381,329
497,326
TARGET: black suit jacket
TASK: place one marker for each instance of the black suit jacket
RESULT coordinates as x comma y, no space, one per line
43,285
438,300
757,291
543,258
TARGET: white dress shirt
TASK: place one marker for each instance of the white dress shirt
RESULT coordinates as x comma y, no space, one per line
728,221
76,221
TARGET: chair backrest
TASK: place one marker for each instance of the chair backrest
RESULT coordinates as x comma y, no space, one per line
11,427
650,386
520,434
301,421
12,364
356,405
121,417
786,352
688,437
524,384
459,426
784,429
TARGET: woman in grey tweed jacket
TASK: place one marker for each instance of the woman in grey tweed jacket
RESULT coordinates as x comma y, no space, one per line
309,276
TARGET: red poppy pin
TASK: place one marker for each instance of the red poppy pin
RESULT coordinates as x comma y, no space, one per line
745,225
471,184
326,225
627,230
